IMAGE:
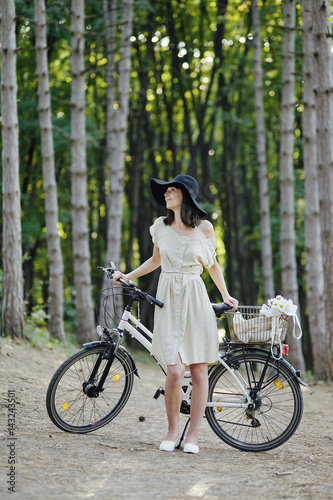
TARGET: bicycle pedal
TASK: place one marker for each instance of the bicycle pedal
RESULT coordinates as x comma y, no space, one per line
159,391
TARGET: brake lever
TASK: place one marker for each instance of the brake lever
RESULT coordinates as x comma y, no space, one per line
107,270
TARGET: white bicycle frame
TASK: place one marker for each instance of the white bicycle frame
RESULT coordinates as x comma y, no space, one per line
132,326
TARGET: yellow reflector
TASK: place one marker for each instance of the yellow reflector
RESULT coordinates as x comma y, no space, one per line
116,377
219,408
278,384
65,406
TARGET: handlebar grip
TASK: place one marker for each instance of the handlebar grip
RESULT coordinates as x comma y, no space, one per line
155,301
220,308
124,282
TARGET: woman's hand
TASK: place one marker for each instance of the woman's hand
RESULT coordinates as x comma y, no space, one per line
231,302
117,275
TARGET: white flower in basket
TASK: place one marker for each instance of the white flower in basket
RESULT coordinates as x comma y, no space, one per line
282,305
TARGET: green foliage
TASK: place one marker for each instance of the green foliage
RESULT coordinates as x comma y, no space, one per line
36,330
192,111
36,333
69,309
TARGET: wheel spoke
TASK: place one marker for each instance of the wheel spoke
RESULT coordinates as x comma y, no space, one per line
277,403
71,409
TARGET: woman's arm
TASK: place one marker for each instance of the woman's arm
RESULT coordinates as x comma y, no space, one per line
218,278
147,267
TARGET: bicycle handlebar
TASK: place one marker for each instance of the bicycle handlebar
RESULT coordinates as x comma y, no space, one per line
153,300
109,271
143,294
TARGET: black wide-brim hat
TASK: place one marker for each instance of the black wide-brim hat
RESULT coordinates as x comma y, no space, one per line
185,182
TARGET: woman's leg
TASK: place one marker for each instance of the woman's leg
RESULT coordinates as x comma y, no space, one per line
173,397
199,374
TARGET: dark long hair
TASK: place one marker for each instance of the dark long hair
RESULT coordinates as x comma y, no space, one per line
189,215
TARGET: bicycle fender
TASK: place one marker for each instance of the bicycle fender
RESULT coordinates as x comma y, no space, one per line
95,343
129,355
296,373
120,348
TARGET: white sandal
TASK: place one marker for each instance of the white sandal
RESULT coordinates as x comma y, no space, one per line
169,445
191,448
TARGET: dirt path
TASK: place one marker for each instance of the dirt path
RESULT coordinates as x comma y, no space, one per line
122,461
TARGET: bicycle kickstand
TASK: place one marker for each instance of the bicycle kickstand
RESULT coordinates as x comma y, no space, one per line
183,433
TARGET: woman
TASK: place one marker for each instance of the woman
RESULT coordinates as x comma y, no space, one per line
185,330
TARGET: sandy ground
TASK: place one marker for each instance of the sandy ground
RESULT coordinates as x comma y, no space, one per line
122,460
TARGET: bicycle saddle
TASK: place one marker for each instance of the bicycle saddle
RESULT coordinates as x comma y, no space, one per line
219,309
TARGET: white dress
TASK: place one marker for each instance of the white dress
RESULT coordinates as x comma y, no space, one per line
187,323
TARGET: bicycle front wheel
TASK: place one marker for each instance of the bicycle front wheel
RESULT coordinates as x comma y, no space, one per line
71,408
277,397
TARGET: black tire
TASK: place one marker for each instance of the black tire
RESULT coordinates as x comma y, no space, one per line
71,409
278,409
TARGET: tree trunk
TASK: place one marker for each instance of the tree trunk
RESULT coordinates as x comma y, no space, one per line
116,146
110,19
321,11
265,224
80,231
314,261
12,292
55,306
287,210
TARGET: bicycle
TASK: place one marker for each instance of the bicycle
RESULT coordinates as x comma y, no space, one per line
254,403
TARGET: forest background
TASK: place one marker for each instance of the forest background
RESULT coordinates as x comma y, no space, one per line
215,89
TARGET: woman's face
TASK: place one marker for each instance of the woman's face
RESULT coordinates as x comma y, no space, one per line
173,198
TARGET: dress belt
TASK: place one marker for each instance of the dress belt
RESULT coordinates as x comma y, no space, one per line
186,273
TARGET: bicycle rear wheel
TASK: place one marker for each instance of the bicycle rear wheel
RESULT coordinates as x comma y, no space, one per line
70,408
277,398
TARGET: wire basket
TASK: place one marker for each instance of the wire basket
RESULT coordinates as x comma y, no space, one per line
111,304
248,326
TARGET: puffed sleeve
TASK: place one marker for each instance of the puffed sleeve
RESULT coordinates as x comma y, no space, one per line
155,230
209,252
